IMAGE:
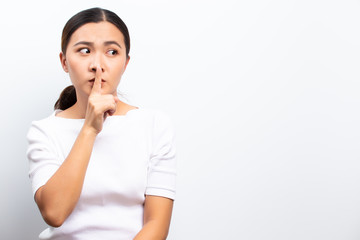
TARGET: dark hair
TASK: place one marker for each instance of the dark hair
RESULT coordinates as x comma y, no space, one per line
93,15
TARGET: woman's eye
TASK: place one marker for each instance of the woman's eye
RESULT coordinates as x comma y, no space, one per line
84,50
112,52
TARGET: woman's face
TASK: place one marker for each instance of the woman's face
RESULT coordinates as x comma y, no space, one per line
95,44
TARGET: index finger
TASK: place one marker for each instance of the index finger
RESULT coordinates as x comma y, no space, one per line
97,83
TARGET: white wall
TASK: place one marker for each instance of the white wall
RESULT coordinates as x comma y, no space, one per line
264,96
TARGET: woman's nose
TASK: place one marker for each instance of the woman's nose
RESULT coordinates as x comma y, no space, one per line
95,63
93,68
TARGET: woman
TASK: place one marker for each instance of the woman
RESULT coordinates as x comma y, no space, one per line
100,168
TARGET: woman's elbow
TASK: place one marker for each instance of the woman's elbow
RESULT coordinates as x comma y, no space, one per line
53,218
51,214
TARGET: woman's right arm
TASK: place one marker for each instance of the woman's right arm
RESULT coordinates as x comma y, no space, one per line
58,197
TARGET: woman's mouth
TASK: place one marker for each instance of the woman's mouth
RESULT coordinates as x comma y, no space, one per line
93,80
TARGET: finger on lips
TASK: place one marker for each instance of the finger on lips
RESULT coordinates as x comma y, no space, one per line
107,102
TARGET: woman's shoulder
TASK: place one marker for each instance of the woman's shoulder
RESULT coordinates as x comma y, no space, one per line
123,108
53,121
144,111
42,126
45,120
151,117
159,118
153,113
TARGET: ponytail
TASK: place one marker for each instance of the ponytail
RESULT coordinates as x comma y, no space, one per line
67,98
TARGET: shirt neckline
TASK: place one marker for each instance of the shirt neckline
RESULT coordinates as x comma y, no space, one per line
56,111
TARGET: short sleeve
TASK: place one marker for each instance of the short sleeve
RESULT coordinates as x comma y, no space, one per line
42,157
162,164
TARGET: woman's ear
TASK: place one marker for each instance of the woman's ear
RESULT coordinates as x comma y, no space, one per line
127,61
63,61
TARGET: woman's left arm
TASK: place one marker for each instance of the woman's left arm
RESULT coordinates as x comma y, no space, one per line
157,216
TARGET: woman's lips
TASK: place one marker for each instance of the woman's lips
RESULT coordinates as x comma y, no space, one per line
93,80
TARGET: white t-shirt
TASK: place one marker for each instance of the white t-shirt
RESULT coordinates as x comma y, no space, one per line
133,156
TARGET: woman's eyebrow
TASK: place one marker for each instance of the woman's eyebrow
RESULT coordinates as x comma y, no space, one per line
112,42
84,43
92,44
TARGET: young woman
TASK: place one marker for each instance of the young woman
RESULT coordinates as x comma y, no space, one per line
100,168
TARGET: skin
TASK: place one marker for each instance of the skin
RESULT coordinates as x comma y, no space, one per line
95,59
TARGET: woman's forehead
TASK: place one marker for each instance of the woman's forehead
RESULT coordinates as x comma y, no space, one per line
94,32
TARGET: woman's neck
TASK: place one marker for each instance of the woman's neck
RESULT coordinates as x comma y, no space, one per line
78,110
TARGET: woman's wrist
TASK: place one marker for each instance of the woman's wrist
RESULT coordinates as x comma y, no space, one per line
89,131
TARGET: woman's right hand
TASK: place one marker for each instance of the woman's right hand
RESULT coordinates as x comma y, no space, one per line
99,105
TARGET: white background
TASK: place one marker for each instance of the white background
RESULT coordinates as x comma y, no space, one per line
264,96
